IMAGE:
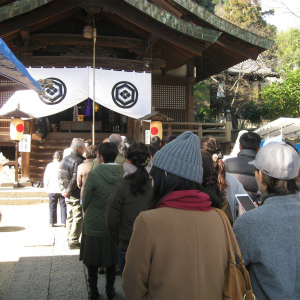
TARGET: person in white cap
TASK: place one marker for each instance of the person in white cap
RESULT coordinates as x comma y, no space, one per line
268,236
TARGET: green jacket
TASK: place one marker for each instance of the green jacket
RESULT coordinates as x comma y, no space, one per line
95,198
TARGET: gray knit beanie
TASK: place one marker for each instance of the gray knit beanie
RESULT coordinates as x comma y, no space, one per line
181,157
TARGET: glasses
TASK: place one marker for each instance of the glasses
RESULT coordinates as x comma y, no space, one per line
254,171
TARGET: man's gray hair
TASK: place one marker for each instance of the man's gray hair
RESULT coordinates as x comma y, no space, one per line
116,139
77,143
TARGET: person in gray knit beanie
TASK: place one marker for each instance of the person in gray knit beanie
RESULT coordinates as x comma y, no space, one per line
181,157
180,236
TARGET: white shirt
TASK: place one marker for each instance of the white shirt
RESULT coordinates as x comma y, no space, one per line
51,184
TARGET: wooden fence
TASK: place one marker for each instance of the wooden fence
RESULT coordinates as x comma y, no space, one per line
221,131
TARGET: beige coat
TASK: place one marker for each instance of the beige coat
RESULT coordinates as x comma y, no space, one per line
82,173
176,254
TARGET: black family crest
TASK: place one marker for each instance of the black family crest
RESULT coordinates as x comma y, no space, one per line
124,94
54,89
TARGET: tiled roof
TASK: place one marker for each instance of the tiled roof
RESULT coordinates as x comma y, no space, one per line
255,67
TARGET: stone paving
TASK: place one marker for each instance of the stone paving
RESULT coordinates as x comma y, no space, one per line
37,261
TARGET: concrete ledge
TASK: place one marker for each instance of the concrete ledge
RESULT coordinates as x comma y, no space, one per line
23,201
22,196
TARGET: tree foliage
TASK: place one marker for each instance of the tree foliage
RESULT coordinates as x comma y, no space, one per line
207,4
202,109
248,15
288,49
282,98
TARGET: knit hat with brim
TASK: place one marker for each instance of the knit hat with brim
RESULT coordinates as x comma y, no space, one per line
181,157
278,160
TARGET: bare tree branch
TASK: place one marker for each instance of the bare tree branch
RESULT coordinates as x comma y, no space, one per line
283,6
219,85
290,11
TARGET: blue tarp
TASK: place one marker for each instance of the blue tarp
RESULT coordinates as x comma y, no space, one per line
13,69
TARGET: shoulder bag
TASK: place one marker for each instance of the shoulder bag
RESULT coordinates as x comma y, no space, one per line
237,281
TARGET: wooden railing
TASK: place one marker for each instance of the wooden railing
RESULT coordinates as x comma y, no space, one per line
220,131
4,125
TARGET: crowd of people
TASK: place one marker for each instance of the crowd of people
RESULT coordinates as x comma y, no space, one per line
149,210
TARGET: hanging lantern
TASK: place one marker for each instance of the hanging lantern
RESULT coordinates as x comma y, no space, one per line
16,129
156,129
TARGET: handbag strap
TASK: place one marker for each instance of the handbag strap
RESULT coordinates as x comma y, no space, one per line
231,238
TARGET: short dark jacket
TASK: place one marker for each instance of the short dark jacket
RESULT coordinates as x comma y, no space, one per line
240,168
67,174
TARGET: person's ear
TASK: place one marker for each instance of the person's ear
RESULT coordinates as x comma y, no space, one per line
260,176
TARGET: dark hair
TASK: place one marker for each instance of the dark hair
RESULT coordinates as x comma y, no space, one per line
152,150
250,140
211,145
209,183
164,185
58,155
279,186
290,144
138,154
170,138
109,151
155,140
91,152
88,142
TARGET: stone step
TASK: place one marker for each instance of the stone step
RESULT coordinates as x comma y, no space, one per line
22,196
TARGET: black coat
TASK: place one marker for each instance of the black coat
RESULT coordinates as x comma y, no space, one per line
67,174
123,208
239,167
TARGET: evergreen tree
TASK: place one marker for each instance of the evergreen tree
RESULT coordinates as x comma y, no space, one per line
248,15
207,4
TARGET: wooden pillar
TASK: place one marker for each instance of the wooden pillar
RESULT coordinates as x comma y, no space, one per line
25,156
169,130
190,91
130,129
16,164
137,131
228,128
25,168
200,131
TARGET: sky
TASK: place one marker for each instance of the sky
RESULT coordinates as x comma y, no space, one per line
283,19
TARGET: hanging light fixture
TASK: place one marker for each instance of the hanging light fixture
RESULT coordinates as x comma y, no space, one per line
88,31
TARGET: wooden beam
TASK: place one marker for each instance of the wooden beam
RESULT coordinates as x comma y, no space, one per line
124,11
79,61
152,40
247,52
138,46
26,40
36,16
158,29
37,40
